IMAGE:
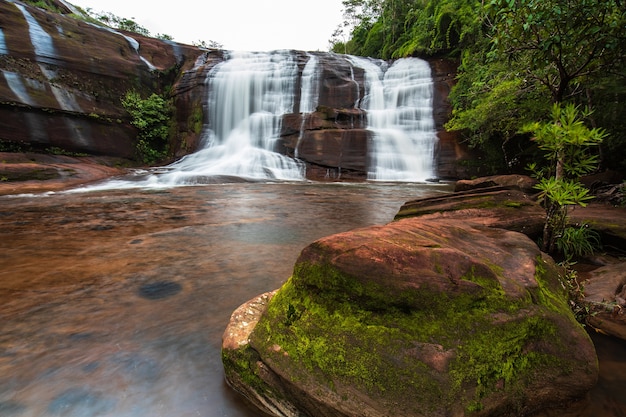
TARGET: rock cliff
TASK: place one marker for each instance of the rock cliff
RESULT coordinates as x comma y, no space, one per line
62,79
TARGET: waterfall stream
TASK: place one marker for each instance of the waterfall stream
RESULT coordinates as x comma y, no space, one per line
398,100
249,93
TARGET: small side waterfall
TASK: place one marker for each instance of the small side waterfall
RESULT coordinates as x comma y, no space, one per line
398,100
39,38
3,46
309,93
248,95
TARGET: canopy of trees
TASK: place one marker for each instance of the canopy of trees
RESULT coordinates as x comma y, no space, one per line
516,59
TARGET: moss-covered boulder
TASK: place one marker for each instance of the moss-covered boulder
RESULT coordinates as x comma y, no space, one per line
414,318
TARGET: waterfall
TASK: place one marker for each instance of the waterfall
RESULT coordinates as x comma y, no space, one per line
247,96
39,38
17,87
310,86
249,93
3,46
398,100
309,93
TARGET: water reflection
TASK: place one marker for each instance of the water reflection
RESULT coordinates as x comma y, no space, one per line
113,304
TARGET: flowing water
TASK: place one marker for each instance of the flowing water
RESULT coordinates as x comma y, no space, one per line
39,38
113,303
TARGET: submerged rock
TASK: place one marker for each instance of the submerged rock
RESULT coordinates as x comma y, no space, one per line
420,317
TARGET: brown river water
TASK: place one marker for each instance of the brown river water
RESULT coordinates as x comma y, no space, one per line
113,303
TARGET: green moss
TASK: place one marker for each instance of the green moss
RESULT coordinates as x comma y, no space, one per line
241,365
331,327
340,342
552,295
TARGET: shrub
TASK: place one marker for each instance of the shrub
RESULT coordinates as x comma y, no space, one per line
151,117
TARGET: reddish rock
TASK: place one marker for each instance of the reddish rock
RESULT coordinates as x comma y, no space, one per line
521,182
499,207
37,173
420,317
67,93
605,295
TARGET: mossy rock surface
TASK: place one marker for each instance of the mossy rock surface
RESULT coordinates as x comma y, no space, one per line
416,318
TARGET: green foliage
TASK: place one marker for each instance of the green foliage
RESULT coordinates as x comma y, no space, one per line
567,142
151,117
118,22
559,41
399,28
44,4
209,45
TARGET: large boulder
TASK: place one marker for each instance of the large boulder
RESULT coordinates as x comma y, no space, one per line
501,207
420,317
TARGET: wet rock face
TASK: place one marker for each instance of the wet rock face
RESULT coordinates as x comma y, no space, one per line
425,316
62,79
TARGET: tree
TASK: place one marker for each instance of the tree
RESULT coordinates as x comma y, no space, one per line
122,23
560,41
568,145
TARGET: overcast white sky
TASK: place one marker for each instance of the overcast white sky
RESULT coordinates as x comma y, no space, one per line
249,25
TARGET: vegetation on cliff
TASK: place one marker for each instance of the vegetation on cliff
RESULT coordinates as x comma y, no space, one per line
517,57
152,118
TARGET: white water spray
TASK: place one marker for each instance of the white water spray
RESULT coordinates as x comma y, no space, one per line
248,95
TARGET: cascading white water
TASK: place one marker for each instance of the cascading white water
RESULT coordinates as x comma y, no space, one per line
309,95
250,92
398,100
248,95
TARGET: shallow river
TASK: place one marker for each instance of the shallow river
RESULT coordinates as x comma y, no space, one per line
114,303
